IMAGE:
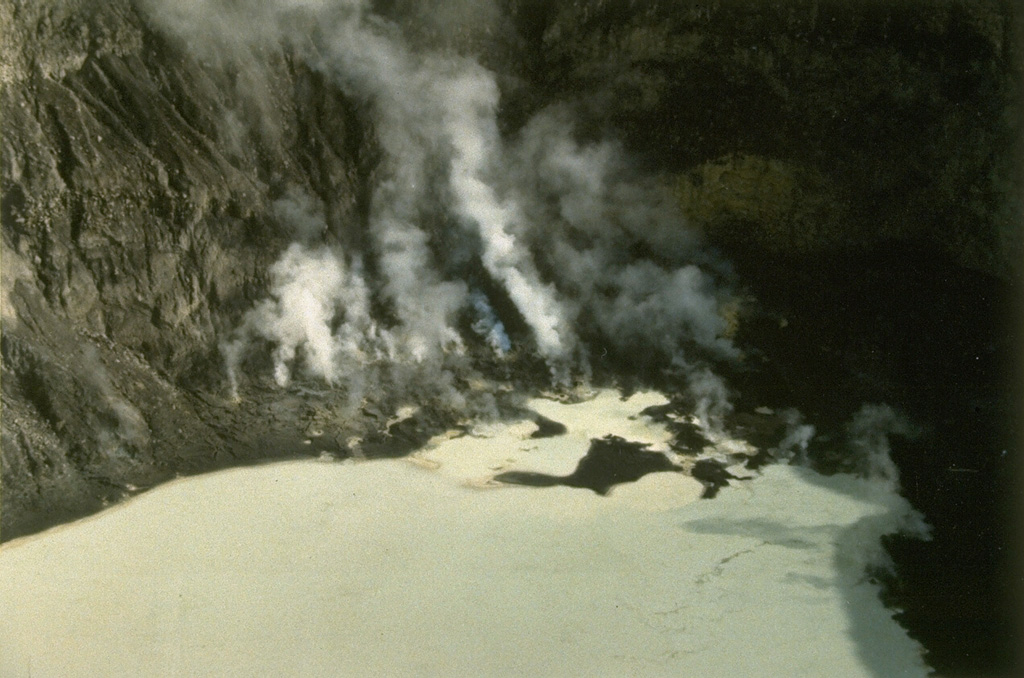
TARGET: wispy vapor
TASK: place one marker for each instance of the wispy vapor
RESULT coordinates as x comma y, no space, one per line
581,249
868,436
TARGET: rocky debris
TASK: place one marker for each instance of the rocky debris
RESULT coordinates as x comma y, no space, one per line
610,461
686,435
713,475
547,428
403,436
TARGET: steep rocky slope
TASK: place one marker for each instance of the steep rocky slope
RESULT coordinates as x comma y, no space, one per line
135,232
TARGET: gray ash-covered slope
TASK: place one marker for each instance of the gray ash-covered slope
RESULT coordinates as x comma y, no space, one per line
857,162
135,231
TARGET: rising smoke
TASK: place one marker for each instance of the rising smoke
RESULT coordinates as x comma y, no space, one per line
119,426
868,439
577,248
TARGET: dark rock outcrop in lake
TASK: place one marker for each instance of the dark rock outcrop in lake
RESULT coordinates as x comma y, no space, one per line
610,461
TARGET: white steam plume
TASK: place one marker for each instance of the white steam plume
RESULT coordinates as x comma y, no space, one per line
301,213
488,325
798,436
310,290
868,434
371,65
578,243
422,103
471,101
128,428
617,244
868,439
598,222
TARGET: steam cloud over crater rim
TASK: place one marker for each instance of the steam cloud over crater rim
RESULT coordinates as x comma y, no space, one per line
547,226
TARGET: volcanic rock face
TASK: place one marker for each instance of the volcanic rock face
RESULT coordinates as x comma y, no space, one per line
135,231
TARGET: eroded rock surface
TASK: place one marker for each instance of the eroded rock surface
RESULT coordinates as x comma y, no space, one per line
135,232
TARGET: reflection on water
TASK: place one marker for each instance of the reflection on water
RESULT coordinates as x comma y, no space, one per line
427,566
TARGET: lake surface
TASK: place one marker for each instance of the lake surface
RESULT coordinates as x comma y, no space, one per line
427,567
